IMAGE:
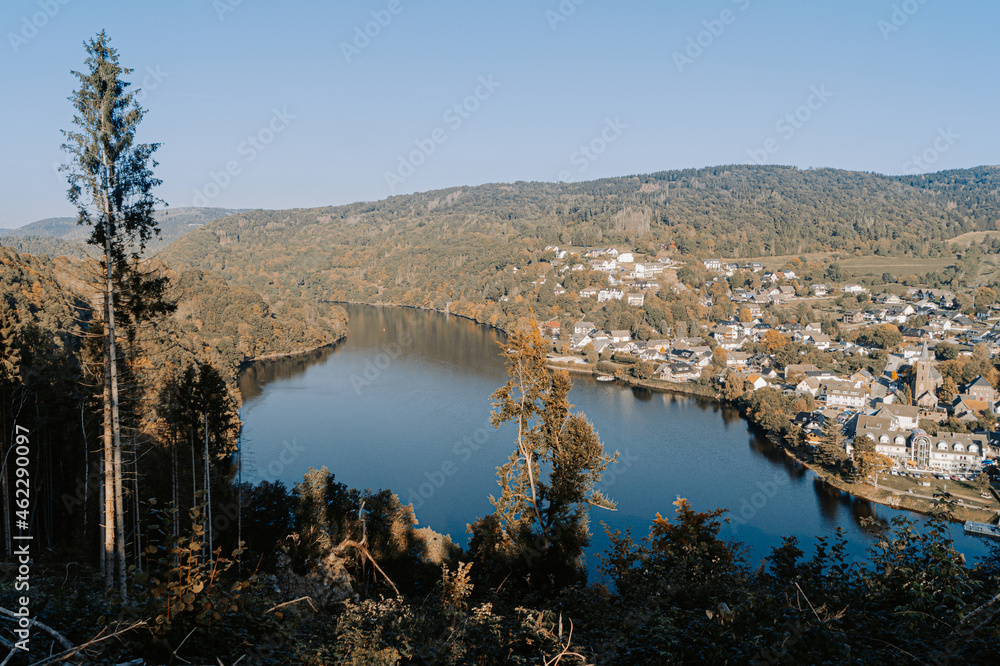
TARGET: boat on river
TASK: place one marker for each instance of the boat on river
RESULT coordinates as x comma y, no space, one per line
605,378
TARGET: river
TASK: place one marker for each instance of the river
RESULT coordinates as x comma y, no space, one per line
404,402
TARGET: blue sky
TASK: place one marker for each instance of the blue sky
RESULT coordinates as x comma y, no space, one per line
305,109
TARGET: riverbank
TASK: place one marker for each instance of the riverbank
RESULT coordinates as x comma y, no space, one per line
659,385
900,498
380,304
886,495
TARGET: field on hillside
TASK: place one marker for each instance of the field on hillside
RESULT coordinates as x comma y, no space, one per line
777,262
853,267
965,240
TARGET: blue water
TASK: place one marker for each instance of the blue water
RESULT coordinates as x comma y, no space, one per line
404,402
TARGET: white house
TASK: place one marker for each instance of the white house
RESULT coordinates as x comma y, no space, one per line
604,265
620,336
903,417
608,294
844,395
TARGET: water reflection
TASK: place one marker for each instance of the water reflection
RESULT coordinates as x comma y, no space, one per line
255,376
640,393
395,405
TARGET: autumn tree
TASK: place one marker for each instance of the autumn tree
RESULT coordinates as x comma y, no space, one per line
540,521
870,465
735,387
110,183
767,407
719,358
773,341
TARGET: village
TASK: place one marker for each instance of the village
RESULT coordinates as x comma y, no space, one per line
908,376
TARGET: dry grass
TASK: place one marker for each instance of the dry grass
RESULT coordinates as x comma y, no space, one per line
897,266
965,240
775,263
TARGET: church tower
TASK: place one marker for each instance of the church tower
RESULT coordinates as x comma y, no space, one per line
926,379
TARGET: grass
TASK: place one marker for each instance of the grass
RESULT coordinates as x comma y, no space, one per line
777,262
896,266
965,240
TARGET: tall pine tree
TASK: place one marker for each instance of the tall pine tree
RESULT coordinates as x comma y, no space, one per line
110,182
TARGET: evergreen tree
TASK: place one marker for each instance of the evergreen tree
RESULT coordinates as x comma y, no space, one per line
831,449
110,183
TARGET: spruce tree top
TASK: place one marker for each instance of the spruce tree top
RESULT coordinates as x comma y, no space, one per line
110,175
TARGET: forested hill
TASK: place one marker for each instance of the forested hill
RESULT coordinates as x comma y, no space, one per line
214,322
434,248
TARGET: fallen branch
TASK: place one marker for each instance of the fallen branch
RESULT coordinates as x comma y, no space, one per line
66,654
293,601
41,625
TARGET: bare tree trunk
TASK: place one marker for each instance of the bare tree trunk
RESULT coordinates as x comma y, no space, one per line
208,492
86,469
118,537
239,501
175,481
136,524
194,471
108,504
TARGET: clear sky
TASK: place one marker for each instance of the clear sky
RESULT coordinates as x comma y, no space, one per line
308,110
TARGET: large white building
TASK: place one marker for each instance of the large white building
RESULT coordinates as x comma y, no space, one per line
948,452
843,394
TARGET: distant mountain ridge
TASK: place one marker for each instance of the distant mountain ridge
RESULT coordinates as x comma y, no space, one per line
456,248
62,235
